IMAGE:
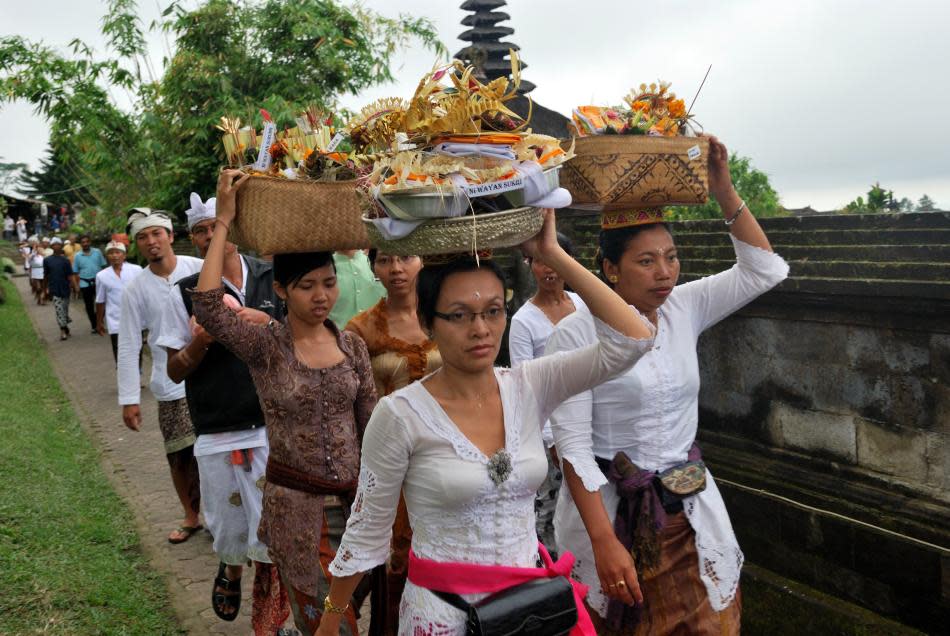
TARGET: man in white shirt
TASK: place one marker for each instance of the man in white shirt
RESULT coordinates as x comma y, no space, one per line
231,447
110,283
143,300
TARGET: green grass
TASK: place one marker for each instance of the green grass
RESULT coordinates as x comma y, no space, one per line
70,561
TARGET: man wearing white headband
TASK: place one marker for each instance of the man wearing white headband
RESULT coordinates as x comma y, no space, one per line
231,448
143,300
110,283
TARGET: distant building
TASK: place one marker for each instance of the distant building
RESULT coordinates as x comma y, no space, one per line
810,211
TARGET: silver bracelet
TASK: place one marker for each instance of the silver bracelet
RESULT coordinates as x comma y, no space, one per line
735,216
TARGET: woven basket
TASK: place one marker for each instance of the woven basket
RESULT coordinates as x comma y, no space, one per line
280,216
620,172
462,234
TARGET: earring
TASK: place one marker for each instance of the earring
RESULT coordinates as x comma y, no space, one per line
613,278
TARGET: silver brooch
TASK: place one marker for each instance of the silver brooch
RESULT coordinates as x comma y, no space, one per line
499,466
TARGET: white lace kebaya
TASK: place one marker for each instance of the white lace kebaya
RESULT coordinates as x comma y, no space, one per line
651,413
457,512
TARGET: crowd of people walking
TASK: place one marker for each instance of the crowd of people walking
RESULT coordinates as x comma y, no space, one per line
339,423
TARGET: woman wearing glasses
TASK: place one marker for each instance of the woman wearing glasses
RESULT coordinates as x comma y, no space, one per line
464,444
401,353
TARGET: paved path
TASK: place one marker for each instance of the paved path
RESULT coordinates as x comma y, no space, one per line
135,464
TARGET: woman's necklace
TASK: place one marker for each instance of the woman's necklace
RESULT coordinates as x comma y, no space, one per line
499,464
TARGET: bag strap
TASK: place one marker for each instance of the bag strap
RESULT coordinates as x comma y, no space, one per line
454,600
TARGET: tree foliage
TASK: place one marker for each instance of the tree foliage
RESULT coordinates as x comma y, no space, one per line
753,187
926,204
9,172
56,180
230,58
878,200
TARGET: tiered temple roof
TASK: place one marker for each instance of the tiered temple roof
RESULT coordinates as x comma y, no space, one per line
486,51
489,55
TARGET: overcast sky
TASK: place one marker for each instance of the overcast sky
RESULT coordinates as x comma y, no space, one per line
826,96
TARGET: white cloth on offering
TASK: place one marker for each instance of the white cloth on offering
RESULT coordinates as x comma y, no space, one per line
491,151
393,229
538,190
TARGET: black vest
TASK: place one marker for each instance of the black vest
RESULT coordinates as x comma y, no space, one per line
220,392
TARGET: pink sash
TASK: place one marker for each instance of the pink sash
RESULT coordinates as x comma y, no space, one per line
473,578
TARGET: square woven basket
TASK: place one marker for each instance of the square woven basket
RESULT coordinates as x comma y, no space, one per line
281,216
621,172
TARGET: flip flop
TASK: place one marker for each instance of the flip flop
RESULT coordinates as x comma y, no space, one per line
230,596
188,531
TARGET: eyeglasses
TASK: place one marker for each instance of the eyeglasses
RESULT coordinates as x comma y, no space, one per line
491,315
202,229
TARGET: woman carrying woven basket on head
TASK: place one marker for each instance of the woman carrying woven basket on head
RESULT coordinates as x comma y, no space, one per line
643,422
401,353
464,444
315,385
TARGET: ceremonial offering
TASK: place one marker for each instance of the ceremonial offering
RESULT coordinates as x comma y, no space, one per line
454,142
470,233
301,195
638,155
462,173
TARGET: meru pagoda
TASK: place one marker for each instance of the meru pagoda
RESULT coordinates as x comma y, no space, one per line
489,55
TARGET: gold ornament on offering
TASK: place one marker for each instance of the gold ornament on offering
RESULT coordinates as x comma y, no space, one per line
630,218
376,124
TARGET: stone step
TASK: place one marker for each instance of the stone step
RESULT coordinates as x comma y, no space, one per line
818,528
806,268
768,598
853,287
916,220
823,253
816,253
843,222
779,238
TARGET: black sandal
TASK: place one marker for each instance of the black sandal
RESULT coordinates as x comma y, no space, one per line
230,597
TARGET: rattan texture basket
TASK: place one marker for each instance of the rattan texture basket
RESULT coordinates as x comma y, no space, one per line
280,216
463,234
622,172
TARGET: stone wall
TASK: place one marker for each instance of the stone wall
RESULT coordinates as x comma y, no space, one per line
825,407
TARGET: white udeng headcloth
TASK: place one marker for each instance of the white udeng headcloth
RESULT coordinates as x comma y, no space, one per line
144,218
199,211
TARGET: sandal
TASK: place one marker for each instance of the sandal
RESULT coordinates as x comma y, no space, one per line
188,531
231,596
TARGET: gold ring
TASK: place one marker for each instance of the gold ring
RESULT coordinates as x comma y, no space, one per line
612,585
621,584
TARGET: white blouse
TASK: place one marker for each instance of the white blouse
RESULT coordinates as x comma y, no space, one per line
456,511
651,413
529,333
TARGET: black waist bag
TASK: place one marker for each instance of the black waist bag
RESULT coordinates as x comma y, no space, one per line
542,607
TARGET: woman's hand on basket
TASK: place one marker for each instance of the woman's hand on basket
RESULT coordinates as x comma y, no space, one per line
229,181
616,571
545,241
720,179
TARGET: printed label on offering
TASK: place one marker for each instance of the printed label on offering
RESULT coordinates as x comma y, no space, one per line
267,139
693,153
495,187
337,138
